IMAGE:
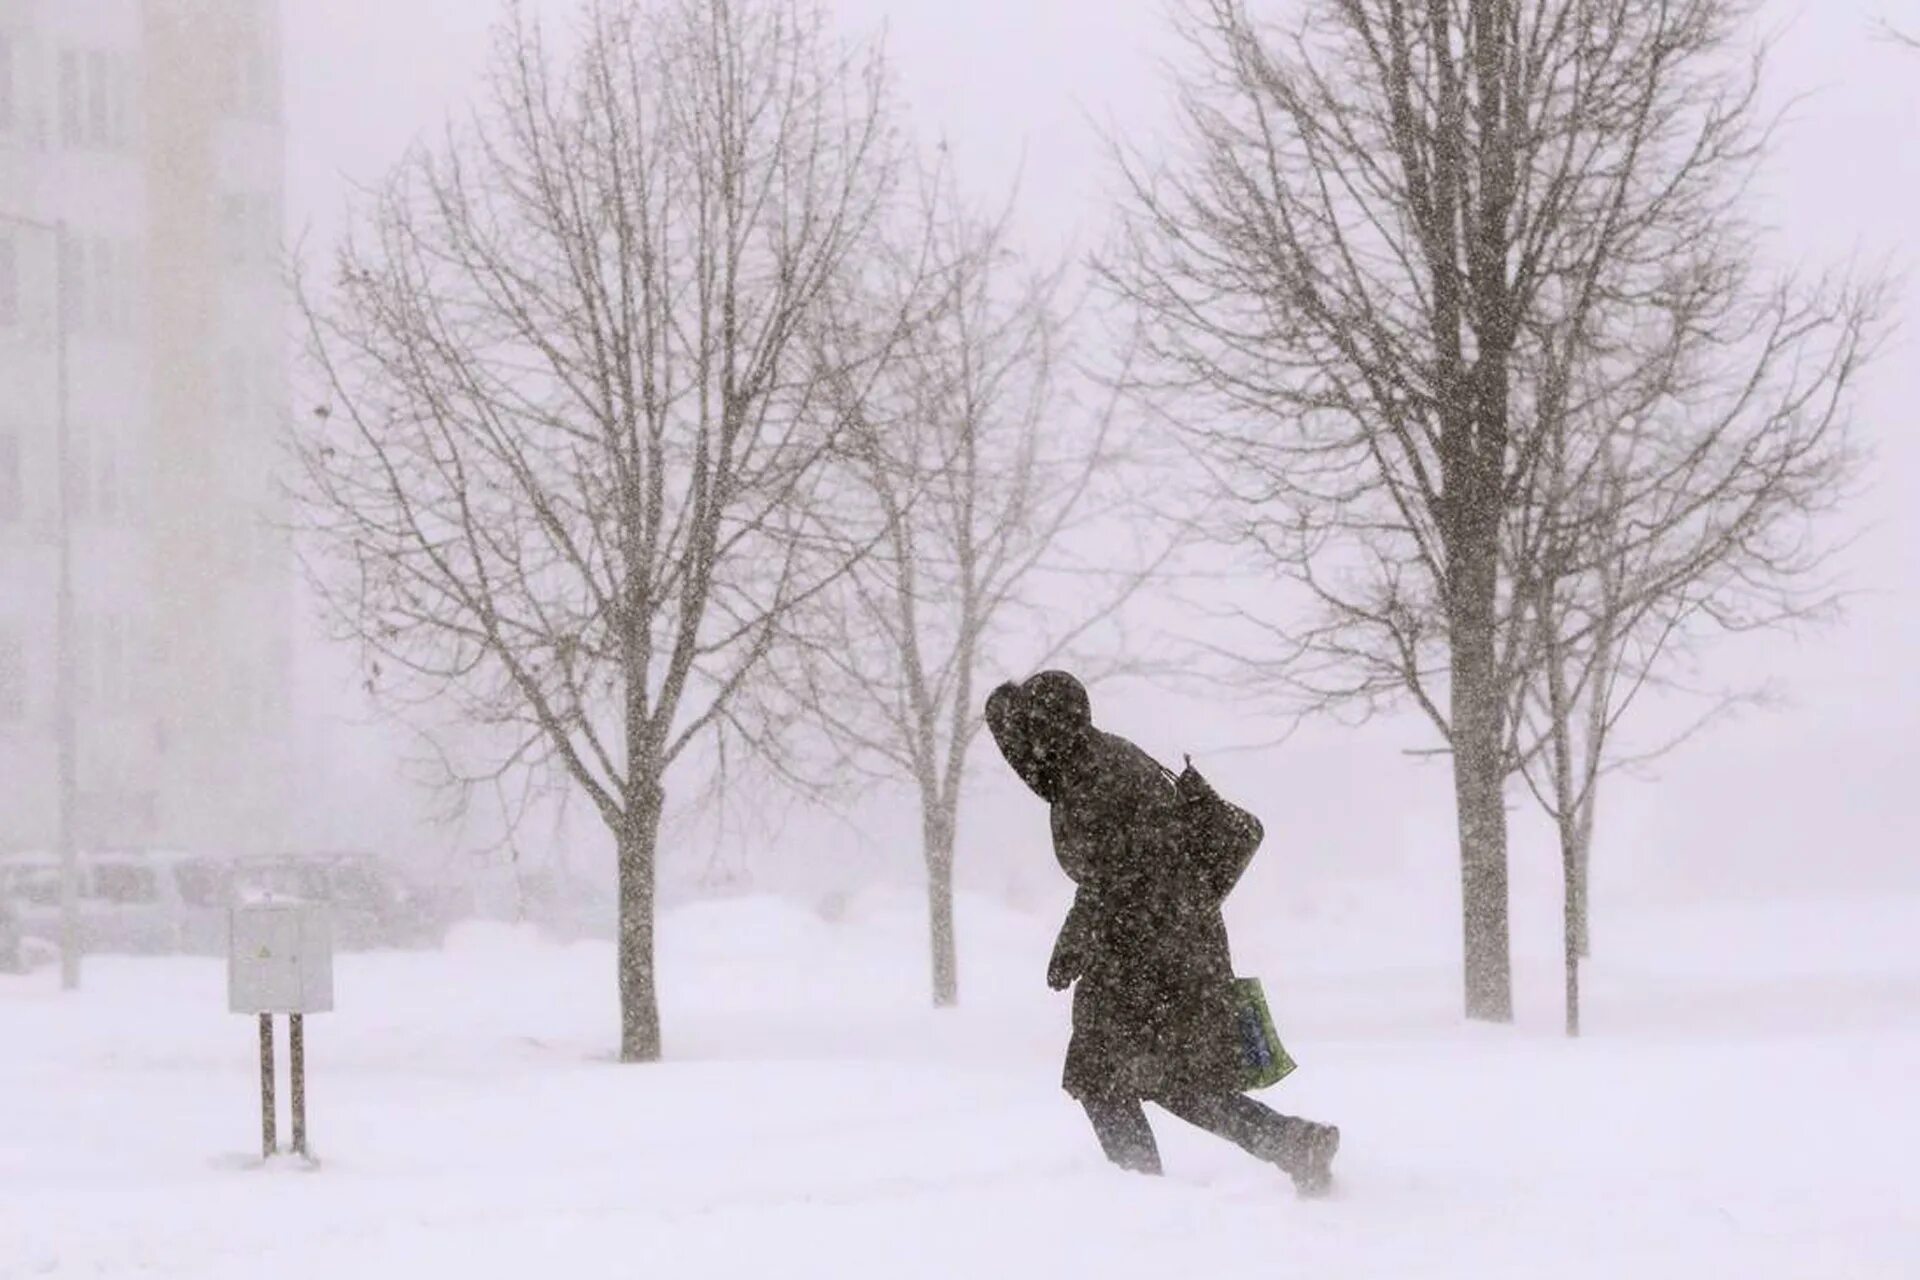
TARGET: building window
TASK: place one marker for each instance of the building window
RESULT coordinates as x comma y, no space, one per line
99,119
70,98
103,285
132,286
106,479
111,307
100,279
114,267
6,83
260,88
100,489
123,95
73,283
9,282
113,663
77,490
10,493
13,675
249,86
95,99
83,646
103,669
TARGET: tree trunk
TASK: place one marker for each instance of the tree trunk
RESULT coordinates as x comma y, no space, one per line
1582,856
1480,797
1598,703
638,839
1479,784
1570,918
946,961
1476,502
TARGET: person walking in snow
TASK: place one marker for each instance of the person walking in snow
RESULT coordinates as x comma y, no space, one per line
1144,946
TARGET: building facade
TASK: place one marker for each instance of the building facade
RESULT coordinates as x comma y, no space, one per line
152,129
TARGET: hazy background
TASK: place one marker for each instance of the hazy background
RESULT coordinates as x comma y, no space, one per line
1812,797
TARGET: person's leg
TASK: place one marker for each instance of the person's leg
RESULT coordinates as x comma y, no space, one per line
1254,1127
1126,1137
1302,1148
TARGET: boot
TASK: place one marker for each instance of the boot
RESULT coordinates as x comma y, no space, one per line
1313,1174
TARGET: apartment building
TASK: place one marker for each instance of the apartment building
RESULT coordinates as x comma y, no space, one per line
152,131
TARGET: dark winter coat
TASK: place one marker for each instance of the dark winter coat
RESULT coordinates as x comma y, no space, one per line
1144,944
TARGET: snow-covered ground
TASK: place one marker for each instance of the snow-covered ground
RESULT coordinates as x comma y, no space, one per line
1743,1107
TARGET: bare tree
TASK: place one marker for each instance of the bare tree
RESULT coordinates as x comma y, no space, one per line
986,475
1899,35
1673,507
1396,234
570,475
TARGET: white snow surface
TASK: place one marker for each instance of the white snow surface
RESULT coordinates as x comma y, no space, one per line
1743,1105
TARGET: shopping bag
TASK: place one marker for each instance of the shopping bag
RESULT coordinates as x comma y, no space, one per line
1217,836
1264,1059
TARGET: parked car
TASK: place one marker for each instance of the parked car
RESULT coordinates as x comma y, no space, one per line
13,954
30,881
202,891
172,900
130,902
370,905
564,907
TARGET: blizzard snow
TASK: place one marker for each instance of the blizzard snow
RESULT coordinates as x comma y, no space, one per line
1743,1107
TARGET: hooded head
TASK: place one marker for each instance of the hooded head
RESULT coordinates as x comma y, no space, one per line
1041,725
1058,703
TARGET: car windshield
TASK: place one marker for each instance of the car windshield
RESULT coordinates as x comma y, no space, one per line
356,885
202,884
125,883
38,885
288,880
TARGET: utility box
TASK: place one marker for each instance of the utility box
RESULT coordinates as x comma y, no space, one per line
280,959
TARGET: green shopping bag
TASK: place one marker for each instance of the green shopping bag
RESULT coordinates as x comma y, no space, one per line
1264,1059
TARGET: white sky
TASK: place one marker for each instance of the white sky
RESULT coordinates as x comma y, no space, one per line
1820,789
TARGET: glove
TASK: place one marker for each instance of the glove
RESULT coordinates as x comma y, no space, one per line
1064,967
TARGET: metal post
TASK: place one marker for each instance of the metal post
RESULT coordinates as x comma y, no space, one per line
297,1052
65,730
269,1142
64,725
